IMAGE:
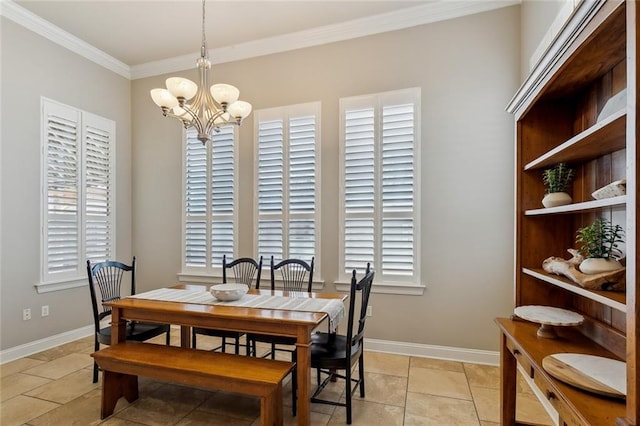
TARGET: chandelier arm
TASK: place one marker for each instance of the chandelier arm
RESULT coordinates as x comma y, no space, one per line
195,120
212,125
186,123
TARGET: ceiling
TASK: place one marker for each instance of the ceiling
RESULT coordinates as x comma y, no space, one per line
142,38
143,31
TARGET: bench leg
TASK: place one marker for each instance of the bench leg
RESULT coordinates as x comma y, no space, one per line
115,385
271,408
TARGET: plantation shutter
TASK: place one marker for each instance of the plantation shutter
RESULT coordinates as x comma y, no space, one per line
99,214
222,195
195,233
302,184
78,221
209,197
287,179
379,204
359,189
62,225
397,189
270,188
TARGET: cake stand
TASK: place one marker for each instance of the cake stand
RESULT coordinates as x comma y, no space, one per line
548,317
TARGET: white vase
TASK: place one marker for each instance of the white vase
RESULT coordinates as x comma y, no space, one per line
595,265
556,199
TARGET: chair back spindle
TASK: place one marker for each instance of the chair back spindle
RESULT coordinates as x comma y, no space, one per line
296,274
244,270
105,283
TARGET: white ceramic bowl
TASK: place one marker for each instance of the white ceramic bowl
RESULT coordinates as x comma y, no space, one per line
228,292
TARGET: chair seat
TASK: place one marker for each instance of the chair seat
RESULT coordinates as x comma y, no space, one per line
140,331
329,351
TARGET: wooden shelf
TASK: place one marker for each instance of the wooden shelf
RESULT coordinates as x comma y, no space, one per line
593,409
590,61
579,207
614,299
602,138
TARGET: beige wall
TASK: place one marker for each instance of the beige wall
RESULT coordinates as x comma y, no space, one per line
537,18
468,69
33,67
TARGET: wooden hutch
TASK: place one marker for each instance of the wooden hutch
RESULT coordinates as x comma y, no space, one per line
557,120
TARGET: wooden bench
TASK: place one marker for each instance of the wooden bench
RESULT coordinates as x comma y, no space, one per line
123,363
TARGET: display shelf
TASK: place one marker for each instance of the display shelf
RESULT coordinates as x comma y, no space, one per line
579,207
557,114
614,299
602,138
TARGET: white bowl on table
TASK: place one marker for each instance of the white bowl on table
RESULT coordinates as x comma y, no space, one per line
229,292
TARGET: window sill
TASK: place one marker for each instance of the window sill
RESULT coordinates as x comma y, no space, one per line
51,286
217,279
387,288
185,277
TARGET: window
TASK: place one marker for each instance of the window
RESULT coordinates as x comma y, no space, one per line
379,171
288,165
209,201
78,218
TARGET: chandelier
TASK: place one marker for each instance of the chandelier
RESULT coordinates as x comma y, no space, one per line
206,110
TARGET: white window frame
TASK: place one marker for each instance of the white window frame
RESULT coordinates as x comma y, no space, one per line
209,273
54,281
284,114
393,284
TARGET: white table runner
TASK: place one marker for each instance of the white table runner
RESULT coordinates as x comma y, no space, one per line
332,307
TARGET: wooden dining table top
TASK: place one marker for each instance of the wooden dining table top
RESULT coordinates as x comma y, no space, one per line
198,311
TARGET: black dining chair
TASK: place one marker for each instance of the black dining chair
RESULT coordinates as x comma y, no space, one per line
105,283
333,352
295,275
245,271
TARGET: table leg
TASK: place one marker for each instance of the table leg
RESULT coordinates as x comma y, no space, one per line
118,327
303,369
508,383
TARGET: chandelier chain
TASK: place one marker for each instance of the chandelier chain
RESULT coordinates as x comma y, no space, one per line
204,38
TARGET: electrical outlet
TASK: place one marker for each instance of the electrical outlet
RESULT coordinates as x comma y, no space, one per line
369,311
26,314
44,311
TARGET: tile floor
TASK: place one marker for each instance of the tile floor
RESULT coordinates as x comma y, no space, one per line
54,388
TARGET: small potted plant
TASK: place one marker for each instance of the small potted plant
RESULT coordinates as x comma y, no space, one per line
557,180
600,242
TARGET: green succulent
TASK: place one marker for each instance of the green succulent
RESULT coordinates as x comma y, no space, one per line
558,178
600,239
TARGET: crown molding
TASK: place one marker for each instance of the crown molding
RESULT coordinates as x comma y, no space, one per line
401,19
46,29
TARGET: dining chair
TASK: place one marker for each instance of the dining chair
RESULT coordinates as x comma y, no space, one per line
105,283
295,275
245,271
333,352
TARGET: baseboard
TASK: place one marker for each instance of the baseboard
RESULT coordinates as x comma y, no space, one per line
36,346
475,356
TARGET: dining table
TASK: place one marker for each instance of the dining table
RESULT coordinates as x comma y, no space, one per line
188,312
